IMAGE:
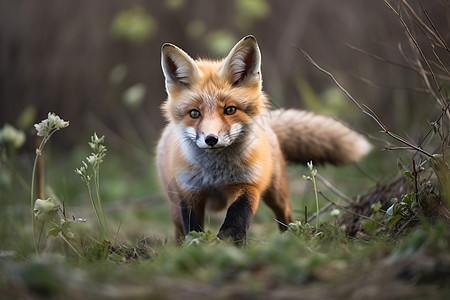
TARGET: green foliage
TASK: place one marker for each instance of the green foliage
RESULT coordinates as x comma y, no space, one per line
250,11
206,237
196,28
134,96
219,42
402,210
428,237
312,178
376,206
134,25
94,160
175,5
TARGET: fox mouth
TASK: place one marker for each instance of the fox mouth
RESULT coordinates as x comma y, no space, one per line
213,148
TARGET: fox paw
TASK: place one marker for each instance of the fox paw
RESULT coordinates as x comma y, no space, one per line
237,235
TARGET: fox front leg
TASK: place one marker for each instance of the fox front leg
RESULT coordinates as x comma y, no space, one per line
238,218
192,216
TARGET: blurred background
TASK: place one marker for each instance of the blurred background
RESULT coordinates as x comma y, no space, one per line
97,65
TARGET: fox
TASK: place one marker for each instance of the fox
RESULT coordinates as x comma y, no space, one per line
224,148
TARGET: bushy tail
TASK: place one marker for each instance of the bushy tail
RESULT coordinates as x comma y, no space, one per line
305,136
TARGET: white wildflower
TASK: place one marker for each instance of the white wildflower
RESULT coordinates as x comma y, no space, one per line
335,212
92,160
52,123
82,171
11,136
44,209
95,159
95,140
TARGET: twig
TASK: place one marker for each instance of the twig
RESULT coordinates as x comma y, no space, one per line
441,65
281,223
404,226
391,62
439,36
364,108
324,208
416,45
424,26
437,121
70,245
415,174
335,190
348,210
367,174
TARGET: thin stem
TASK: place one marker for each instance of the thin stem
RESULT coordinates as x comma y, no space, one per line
97,187
118,230
70,245
317,199
40,233
32,204
94,206
33,173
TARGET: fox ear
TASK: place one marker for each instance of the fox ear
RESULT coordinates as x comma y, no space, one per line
178,67
243,63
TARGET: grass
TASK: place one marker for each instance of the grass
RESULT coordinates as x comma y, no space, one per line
144,262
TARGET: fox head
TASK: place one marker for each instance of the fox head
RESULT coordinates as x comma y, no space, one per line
213,102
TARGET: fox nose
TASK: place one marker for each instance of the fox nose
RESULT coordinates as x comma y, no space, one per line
211,140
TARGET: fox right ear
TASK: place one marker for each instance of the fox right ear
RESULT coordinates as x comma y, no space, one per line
243,63
179,68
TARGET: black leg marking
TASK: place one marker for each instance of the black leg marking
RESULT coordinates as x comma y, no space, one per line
237,221
190,218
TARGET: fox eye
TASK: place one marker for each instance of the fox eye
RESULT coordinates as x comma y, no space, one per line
230,110
194,114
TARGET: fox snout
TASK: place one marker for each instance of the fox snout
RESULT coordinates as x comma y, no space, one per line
211,137
211,133
211,140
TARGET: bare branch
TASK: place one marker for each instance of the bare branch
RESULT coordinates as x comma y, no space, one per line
439,36
394,63
424,26
334,189
348,210
365,109
416,44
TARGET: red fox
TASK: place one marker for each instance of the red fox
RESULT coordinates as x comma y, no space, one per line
223,147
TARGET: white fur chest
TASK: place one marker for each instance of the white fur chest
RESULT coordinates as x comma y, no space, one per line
216,169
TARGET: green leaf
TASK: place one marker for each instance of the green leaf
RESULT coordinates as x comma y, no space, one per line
394,220
408,175
399,164
54,231
376,206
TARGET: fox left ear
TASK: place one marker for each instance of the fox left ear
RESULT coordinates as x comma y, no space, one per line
179,69
243,63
